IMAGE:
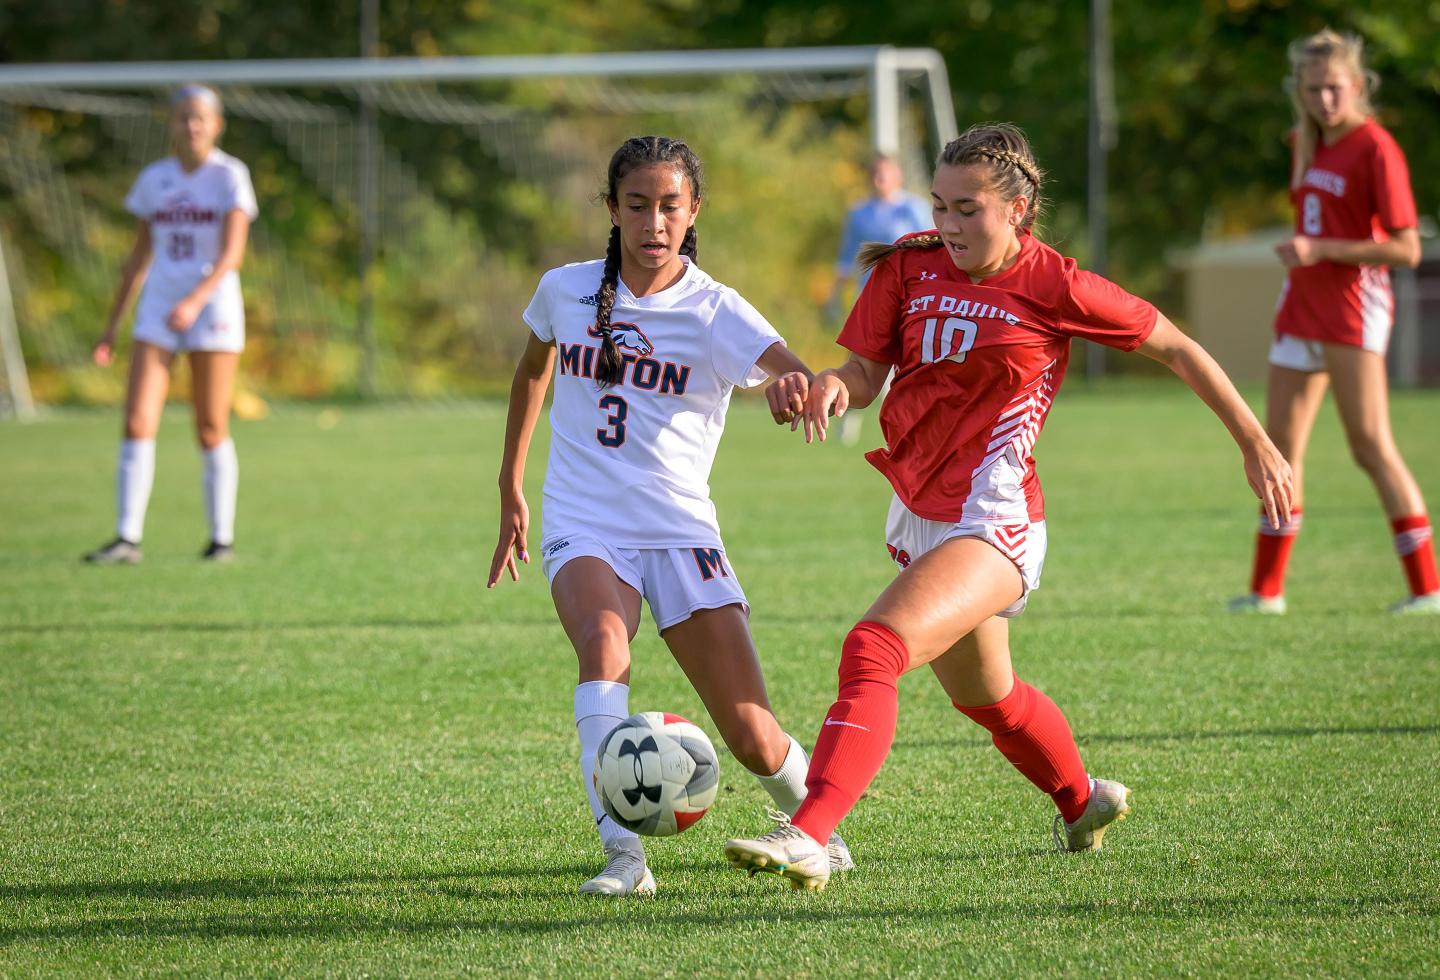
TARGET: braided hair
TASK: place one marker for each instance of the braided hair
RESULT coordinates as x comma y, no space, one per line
1013,173
636,152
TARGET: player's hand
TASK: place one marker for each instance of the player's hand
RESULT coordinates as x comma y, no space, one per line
510,550
104,351
1272,480
183,316
786,395
1298,251
828,396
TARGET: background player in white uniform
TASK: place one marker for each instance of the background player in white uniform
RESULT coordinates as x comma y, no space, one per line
649,349
194,212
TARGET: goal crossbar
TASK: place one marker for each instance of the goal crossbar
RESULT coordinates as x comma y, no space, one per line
884,64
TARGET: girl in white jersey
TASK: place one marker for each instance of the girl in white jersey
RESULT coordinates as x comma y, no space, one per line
649,349
194,211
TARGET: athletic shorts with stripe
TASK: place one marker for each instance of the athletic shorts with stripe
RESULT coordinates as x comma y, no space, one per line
676,582
908,536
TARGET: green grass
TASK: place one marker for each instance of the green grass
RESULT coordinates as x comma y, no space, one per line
341,755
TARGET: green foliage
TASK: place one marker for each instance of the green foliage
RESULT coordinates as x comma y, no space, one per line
340,755
1202,119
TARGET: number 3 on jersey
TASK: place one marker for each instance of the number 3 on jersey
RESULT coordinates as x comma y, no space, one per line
948,340
613,436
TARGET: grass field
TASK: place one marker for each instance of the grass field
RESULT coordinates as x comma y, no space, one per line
340,755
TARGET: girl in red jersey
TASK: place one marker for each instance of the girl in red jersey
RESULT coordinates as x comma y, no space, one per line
975,319
1354,217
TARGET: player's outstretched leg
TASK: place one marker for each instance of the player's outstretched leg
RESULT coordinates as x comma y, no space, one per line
733,690
853,742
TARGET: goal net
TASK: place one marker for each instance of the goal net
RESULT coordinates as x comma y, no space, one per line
409,206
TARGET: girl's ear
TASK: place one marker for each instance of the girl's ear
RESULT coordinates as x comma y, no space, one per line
694,212
1018,207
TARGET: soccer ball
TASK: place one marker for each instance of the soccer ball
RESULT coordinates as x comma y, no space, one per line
656,773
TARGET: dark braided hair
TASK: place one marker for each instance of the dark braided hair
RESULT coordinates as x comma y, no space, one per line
1013,173
636,152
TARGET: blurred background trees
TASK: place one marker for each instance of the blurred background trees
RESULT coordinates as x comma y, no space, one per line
1201,152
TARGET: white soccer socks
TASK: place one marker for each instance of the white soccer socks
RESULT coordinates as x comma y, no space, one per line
786,785
134,476
599,707
221,481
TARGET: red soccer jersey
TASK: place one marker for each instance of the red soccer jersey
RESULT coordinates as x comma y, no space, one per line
976,367
1359,188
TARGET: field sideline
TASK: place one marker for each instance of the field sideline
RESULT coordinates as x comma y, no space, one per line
340,755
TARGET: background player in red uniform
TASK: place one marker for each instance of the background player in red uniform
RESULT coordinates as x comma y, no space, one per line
1354,216
976,321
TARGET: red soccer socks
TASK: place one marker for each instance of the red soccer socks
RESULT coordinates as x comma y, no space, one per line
1415,545
1030,731
1272,554
858,729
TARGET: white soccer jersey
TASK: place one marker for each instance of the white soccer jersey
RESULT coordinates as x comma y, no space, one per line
631,462
186,213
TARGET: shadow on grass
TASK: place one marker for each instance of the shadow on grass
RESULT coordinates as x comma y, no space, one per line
458,882
966,742
182,626
835,908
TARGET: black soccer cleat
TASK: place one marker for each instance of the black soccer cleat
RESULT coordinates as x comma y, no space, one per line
219,552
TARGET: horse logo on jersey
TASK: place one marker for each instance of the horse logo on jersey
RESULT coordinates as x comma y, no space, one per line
627,336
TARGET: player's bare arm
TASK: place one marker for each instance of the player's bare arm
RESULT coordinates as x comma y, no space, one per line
1266,470
527,397
1401,249
232,252
132,274
854,384
786,393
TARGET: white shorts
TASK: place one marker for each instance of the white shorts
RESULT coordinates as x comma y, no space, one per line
674,581
219,327
908,536
1300,354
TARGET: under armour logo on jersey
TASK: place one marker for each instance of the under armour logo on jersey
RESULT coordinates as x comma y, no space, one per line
627,336
926,276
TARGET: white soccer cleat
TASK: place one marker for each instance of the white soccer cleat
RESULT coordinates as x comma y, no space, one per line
1109,803
1417,605
787,851
117,552
625,872
839,853
1252,604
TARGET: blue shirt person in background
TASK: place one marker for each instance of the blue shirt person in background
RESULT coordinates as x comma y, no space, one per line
884,217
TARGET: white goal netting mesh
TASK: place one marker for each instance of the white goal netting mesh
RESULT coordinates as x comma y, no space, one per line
475,190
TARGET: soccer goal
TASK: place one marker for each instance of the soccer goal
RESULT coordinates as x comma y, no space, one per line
408,206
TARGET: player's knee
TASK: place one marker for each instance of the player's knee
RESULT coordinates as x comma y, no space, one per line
139,426
603,647
872,652
210,433
1371,455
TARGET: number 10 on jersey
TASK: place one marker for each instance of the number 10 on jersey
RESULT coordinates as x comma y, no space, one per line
950,339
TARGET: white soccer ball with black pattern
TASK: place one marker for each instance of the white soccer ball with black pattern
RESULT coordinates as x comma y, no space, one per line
656,773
